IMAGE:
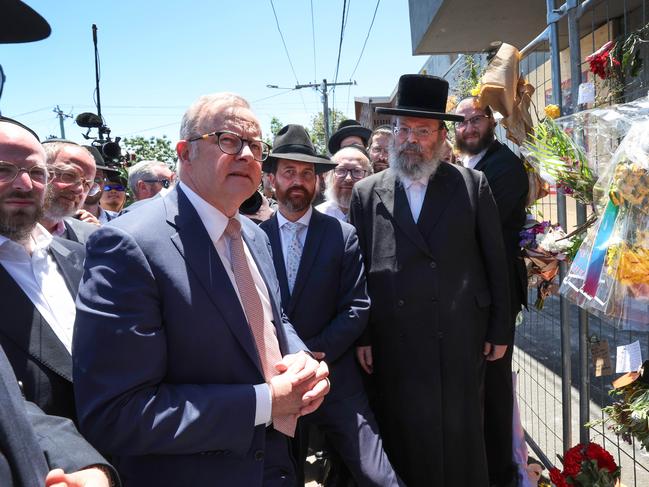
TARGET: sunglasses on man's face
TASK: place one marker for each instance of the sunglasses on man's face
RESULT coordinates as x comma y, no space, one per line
116,187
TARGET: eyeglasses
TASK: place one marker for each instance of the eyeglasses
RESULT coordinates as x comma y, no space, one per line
420,132
165,182
341,172
232,144
116,187
9,172
470,121
378,150
71,178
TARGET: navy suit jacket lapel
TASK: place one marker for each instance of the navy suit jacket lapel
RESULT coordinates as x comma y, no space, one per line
278,260
38,339
194,244
393,196
438,196
314,237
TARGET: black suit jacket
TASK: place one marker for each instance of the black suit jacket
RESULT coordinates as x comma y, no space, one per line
33,443
40,361
509,185
439,290
78,231
329,306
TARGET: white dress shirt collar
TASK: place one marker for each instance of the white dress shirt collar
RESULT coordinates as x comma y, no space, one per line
304,219
213,220
40,240
331,208
471,161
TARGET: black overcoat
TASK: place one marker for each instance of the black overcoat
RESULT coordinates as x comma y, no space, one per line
439,291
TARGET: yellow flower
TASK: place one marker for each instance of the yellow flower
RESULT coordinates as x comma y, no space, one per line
475,91
552,111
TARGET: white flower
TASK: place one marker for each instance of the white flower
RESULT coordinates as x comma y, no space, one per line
553,240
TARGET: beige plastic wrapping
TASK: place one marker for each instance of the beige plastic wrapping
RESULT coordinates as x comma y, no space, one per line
505,91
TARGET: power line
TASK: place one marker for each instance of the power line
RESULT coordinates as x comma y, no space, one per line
285,48
313,37
32,111
273,96
283,41
343,23
366,38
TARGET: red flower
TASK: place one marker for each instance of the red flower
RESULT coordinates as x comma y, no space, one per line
604,459
572,460
558,479
600,59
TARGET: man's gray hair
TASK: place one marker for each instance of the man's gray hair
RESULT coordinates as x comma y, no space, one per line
189,126
52,150
140,171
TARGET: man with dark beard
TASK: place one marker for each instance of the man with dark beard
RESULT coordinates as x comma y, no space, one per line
72,173
320,271
352,165
435,263
39,277
507,178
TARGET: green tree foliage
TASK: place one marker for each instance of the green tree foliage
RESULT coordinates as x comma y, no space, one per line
158,148
317,131
275,125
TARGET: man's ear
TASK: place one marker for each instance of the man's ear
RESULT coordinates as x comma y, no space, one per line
182,149
271,178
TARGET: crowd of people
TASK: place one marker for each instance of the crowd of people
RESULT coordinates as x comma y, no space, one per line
370,298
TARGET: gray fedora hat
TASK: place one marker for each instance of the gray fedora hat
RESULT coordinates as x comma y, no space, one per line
292,142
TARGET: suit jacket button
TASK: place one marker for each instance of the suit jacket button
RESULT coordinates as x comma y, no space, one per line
259,455
433,264
440,335
400,303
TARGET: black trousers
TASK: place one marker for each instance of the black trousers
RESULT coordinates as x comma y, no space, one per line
498,417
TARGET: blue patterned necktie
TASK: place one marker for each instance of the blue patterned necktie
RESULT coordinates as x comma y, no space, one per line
293,252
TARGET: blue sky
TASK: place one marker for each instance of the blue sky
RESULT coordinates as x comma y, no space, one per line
157,57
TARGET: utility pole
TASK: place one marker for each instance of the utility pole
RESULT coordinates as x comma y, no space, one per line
323,89
62,116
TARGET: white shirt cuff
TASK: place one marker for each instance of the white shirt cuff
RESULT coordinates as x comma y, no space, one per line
264,404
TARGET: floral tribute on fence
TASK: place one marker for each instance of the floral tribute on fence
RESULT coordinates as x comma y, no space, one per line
628,416
610,273
544,246
587,465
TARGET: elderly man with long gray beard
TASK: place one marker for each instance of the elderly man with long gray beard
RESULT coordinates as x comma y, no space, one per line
437,278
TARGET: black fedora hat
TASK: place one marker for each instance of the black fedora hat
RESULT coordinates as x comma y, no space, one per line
348,128
20,23
292,142
421,96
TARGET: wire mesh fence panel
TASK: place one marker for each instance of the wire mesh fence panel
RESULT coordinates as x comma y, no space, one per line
537,356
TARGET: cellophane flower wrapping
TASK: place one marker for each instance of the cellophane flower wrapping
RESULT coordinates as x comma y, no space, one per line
610,273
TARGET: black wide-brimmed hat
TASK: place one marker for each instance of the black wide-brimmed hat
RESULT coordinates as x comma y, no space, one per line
421,96
348,128
20,23
292,142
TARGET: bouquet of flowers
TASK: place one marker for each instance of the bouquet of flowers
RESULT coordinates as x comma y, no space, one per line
629,414
587,465
553,152
544,246
610,273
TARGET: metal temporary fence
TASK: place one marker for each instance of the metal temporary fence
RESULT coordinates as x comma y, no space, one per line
558,393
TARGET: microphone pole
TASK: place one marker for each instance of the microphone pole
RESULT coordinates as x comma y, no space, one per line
94,41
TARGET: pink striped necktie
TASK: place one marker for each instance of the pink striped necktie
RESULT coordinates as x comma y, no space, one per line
263,333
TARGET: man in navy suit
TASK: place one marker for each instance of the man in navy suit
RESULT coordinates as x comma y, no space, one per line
179,319
322,282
